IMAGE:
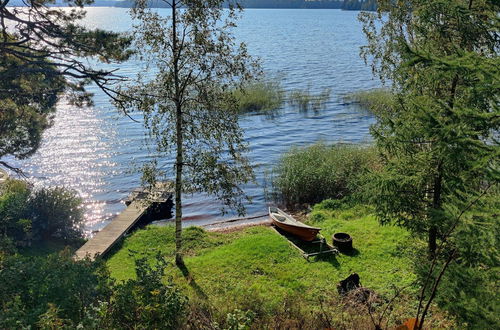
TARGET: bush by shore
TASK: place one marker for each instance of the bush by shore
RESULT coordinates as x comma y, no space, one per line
30,216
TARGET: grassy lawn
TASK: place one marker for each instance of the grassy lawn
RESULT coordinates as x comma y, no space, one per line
257,267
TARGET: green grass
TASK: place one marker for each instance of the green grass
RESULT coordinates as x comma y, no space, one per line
268,96
257,267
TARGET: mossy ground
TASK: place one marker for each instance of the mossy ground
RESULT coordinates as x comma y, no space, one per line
257,267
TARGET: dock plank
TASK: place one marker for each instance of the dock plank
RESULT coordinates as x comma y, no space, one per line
107,237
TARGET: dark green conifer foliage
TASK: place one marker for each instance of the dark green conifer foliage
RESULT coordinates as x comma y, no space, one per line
440,141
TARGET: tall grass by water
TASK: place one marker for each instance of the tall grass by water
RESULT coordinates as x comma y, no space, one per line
306,100
268,96
259,96
311,174
376,101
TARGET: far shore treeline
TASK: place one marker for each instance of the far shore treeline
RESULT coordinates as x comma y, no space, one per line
369,5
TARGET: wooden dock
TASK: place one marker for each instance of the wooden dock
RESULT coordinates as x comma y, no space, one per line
138,208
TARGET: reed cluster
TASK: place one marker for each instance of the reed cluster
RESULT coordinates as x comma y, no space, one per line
259,96
376,101
311,174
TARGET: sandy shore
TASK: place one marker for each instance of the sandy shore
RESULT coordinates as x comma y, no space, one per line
236,227
231,225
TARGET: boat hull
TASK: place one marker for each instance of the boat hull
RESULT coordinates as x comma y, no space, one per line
306,234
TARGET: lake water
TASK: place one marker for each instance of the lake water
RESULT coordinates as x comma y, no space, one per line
97,151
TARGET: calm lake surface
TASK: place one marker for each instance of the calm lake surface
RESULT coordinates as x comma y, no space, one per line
98,152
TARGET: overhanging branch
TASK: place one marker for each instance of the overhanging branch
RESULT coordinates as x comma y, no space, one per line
14,169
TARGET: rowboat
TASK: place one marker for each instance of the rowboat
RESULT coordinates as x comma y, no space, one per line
292,226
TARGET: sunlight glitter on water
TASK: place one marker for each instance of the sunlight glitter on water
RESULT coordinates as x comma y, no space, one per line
75,153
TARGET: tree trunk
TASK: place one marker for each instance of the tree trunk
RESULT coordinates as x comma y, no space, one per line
436,205
179,143
178,189
432,245
420,321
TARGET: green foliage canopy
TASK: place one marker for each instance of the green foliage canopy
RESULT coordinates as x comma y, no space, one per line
27,101
43,54
57,292
440,140
33,283
56,213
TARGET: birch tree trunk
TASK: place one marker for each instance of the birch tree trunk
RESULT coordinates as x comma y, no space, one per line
179,142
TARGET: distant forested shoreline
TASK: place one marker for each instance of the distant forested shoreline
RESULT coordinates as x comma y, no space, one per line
368,5
291,4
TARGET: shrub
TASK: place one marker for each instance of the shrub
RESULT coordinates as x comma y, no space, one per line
55,291
311,174
48,213
14,195
144,303
56,213
239,320
35,282
330,204
7,246
51,320
261,96
471,295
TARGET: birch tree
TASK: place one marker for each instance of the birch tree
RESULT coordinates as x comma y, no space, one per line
192,60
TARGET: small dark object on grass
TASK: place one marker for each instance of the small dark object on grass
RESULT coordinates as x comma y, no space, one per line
350,283
362,295
355,295
343,241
